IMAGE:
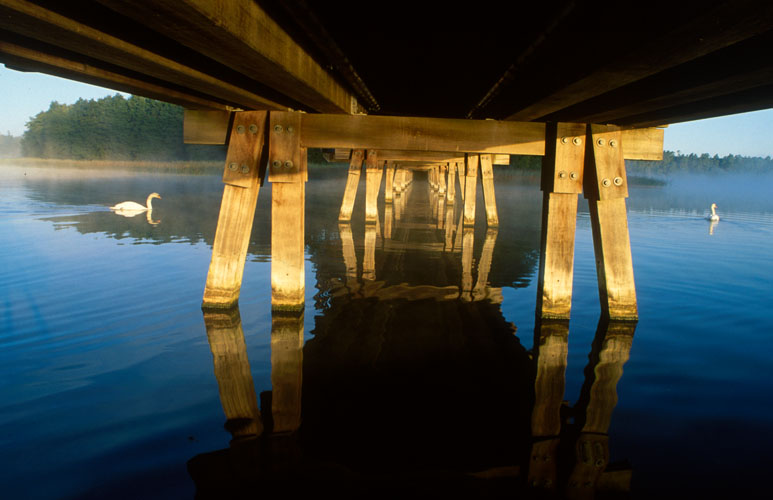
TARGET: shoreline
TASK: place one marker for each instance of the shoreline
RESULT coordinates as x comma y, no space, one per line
182,166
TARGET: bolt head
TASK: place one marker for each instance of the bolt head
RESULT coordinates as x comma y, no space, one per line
618,181
290,129
245,169
253,129
601,142
606,183
612,143
577,141
574,176
276,163
278,129
240,129
564,140
289,164
233,166
562,175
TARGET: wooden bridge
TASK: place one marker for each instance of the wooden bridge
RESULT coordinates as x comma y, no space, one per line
405,86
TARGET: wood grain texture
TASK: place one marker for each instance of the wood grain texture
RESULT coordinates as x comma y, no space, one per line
234,224
470,189
286,157
288,277
489,196
551,338
373,173
451,183
389,182
554,286
205,126
246,149
352,182
604,176
614,265
564,163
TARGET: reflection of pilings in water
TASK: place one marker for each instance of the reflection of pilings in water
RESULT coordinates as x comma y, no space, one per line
593,411
484,264
369,258
468,240
286,371
449,233
350,256
233,374
551,348
459,233
388,219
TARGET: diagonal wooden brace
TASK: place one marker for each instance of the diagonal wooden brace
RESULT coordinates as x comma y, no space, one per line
243,176
606,188
352,182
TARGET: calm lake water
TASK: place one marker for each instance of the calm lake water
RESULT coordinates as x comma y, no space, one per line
113,384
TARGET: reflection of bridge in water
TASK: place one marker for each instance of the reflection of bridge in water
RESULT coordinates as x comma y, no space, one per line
413,378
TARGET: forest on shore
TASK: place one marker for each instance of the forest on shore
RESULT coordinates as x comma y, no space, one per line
113,128
141,129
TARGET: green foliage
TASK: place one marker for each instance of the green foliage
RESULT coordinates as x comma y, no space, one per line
112,128
674,163
10,146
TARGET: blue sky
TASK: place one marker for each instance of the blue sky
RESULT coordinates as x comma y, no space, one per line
23,95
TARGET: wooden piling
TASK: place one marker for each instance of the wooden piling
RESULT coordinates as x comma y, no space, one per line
451,184
606,188
487,179
242,177
470,188
389,182
562,172
352,182
287,162
373,171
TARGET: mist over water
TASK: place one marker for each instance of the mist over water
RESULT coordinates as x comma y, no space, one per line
107,382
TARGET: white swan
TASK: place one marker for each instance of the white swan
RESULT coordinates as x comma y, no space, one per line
130,206
713,217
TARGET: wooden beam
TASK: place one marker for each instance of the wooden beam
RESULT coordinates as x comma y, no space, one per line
237,211
26,59
471,189
489,198
373,173
241,35
31,20
205,126
419,156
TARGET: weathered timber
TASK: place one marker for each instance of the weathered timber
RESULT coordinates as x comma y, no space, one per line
205,126
241,35
237,211
451,183
471,189
489,198
606,189
233,373
33,21
352,182
562,176
373,173
389,182
286,371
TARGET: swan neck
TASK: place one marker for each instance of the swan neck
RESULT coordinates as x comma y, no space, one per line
149,203
713,209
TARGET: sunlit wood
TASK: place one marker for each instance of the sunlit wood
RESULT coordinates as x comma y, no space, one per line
205,126
489,198
470,189
374,169
352,182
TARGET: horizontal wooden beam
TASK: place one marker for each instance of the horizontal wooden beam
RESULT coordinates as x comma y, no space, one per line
24,59
425,156
63,33
241,35
205,127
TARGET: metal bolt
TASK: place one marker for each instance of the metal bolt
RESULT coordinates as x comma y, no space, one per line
289,164
253,129
574,176
290,129
618,181
600,142
606,183
233,166
577,141
278,129
564,140
276,163
240,129
612,143
562,175
245,169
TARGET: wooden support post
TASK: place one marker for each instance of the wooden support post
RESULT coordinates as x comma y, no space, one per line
352,182
460,170
369,257
598,398
562,172
233,373
484,264
487,179
606,188
287,174
242,177
389,183
286,371
451,188
551,349
373,171
350,256
470,188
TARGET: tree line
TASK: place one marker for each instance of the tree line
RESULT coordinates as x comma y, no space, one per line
10,146
112,128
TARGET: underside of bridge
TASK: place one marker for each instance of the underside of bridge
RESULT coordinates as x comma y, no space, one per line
403,85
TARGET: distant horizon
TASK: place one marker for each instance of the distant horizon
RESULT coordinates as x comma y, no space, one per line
24,95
